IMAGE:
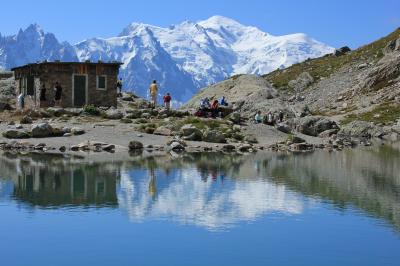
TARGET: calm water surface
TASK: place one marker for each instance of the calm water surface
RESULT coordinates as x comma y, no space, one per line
202,209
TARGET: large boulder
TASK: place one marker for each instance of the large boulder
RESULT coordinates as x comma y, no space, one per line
190,132
135,145
358,129
41,130
283,127
341,51
16,134
77,131
163,131
113,114
314,125
214,136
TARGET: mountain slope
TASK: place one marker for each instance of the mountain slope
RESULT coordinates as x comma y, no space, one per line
183,58
363,84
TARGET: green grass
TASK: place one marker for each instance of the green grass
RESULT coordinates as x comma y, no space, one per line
384,113
202,123
326,65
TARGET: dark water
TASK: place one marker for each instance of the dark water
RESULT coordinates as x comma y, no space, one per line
205,209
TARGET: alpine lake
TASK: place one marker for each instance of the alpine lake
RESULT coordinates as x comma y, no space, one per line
319,208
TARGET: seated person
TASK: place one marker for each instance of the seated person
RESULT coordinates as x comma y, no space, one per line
205,104
215,108
258,118
223,101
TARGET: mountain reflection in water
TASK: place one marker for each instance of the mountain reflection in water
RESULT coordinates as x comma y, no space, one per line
213,191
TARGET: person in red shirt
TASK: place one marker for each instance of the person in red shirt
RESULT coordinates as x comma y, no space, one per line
215,108
167,101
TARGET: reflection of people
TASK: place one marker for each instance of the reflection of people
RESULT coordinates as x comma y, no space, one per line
153,184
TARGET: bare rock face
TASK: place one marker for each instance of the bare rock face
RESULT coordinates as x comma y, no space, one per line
313,125
378,77
301,82
358,129
392,46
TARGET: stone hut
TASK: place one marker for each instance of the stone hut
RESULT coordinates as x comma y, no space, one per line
82,83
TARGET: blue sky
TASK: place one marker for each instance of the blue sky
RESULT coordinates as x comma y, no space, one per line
337,23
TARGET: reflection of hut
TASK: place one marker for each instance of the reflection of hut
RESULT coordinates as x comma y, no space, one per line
82,83
42,187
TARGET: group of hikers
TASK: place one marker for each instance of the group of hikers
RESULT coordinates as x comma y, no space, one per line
270,118
211,108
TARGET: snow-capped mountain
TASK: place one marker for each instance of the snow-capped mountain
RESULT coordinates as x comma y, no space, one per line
31,45
183,58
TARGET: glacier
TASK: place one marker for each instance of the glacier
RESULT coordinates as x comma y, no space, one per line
183,58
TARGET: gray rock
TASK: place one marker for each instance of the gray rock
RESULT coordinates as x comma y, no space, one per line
113,114
176,146
15,134
133,114
146,115
108,147
358,129
55,111
26,120
41,130
77,131
328,133
301,82
341,51
135,145
314,125
214,136
190,132
283,127
67,135
163,131
228,147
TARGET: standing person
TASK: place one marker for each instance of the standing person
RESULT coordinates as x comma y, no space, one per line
43,93
21,101
281,116
58,93
119,87
153,93
167,101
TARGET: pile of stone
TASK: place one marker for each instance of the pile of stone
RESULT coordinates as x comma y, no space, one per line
40,130
93,146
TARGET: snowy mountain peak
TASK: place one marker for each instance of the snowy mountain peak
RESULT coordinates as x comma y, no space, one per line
182,57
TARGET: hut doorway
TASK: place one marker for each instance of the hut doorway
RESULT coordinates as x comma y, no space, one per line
79,92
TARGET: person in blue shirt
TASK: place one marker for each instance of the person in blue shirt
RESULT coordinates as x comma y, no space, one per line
223,101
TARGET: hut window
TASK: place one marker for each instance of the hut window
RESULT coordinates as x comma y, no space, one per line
102,82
